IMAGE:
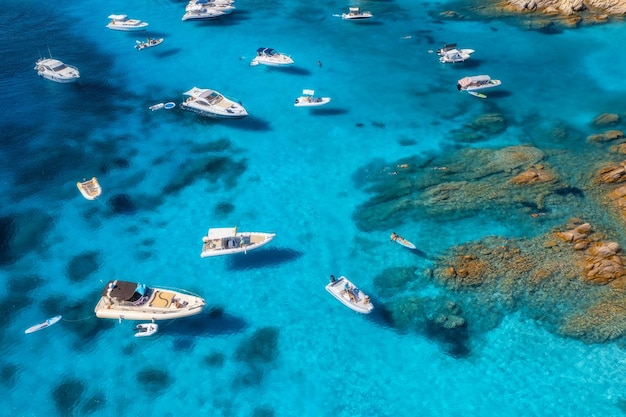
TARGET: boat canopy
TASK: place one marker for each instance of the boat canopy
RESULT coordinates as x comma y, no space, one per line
308,92
222,232
195,92
464,82
266,51
118,16
120,289
354,9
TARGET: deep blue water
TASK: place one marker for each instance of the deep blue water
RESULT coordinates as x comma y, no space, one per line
272,342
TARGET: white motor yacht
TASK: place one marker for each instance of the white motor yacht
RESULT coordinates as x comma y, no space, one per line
123,23
134,301
226,241
355,13
210,103
476,82
55,70
270,57
308,99
198,12
451,54
349,295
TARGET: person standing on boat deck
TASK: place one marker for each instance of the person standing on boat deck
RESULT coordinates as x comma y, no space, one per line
333,279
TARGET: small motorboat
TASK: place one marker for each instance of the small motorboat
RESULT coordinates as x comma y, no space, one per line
123,23
55,70
226,241
270,57
355,13
308,99
148,43
146,329
454,55
43,325
90,189
200,12
211,103
402,241
476,82
349,295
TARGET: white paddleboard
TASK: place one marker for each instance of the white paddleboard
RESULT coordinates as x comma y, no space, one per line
402,241
475,94
43,325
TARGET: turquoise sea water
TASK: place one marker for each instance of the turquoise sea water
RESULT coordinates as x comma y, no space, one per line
272,342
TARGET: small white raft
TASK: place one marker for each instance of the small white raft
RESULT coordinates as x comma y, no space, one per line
349,295
146,329
167,106
90,189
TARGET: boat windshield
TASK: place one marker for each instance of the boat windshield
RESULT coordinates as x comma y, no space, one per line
59,67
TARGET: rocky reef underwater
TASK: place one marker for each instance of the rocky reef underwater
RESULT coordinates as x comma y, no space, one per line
561,263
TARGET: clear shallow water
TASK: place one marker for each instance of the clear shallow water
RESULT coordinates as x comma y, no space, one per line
299,173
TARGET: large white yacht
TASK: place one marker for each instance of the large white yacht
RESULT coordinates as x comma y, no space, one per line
134,301
122,22
55,70
210,103
270,57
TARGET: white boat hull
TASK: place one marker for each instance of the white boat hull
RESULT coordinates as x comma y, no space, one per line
239,243
358,302
128,28
145,45
146,329
43,325
163,304
212,114
307,101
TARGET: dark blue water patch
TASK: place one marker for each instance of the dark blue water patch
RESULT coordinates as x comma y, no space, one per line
143,255
154,381
213,323
82,266
249,123
261,258
455,342
263,411
24,285
183,344
574,191
223,209
122,204
10,307
291,70
407,142
332,111
95,403
213,168
67,395
260,348
8,374
216,146
21,233
251,376
214,360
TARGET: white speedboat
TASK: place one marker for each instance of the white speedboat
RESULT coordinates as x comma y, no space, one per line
225,6
122,22
146,329
55,70
476,82
226,241
148,43
349,295
133,301
270,57
451,54
199,12
90,189
308,99
355,13
210,103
